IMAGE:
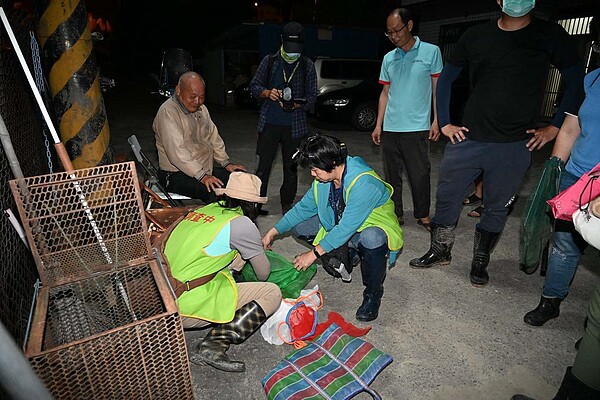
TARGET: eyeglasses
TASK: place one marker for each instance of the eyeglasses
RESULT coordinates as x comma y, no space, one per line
394,32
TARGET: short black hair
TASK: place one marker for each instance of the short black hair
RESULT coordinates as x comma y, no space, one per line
249,208
321,151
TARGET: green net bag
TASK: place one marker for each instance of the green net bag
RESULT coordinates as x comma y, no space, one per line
536,221
283,274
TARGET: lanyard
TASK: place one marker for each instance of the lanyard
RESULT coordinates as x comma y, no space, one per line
285,78
336,198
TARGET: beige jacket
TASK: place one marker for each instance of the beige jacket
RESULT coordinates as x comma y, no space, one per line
187,142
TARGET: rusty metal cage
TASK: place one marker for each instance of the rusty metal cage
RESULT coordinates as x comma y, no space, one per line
78,225
106,325
113,336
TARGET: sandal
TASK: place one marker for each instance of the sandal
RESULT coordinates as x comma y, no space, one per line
472,199
476,212
426,225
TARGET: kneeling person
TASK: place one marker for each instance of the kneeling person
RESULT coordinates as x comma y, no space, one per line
200,251
348,204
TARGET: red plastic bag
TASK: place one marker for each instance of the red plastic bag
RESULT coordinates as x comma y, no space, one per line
301,320
581,192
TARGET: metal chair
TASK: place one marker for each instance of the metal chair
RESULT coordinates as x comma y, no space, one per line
151,179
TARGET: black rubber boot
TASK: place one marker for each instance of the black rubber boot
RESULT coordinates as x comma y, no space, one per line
212,349
548,309
373,269
442,239
483,246
571,388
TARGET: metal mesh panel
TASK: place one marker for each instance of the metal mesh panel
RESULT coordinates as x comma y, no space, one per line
95,305
22,119
77,234
111,337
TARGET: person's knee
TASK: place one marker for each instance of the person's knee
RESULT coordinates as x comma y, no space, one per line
270,298
372,238
564,246
307,230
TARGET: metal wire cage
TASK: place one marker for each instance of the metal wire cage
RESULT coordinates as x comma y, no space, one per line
105,325
82,223
113,336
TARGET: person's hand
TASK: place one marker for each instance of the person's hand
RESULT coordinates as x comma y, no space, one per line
434,131
268,238
304,260
455,133
235,167
376,135
541,137
274,94
211,182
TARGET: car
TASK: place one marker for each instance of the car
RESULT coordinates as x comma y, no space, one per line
356,105
342,73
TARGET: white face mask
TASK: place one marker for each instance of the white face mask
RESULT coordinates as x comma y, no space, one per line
517,8
293,55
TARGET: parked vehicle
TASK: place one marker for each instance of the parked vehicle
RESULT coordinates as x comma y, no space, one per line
341,73
174,63
356,105
243,97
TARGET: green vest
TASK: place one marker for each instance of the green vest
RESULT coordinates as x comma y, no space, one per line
383,217
216,300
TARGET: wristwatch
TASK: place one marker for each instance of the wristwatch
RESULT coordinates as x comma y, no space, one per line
316,253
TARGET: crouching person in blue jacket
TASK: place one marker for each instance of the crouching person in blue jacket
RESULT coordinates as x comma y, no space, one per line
347,211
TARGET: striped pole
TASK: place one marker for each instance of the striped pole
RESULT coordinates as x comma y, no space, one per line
74,80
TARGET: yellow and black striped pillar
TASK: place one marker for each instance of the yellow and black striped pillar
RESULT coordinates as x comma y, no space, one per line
74,79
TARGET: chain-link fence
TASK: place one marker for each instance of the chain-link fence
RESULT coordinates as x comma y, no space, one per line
23,122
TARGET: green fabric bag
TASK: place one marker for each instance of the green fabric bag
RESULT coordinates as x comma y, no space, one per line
283,274
536,221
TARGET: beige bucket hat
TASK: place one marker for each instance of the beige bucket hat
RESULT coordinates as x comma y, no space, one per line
243,186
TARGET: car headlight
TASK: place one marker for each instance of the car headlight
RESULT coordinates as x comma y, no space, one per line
337,102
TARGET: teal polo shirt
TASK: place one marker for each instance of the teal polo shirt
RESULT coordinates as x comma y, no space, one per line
409,76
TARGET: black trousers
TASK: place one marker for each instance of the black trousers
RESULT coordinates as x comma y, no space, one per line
178,182
408,151
266,149
503,166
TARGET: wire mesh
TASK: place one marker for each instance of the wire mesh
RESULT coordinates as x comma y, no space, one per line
17,267
65,244
112,336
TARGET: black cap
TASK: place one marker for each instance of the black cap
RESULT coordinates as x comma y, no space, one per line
293,38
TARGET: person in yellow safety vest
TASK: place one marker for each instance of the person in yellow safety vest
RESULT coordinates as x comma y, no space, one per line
200,251
347,215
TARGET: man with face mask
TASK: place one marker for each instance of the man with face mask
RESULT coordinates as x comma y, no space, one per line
508,64
286,84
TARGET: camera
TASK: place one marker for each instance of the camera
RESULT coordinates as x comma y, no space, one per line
287,100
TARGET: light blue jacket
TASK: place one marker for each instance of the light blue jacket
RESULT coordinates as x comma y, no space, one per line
365,195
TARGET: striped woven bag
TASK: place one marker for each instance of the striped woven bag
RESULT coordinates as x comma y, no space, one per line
334,366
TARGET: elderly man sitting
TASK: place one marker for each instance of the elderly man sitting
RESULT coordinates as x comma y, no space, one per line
188,143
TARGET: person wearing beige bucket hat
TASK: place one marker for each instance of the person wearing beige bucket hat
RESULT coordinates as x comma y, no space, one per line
201,250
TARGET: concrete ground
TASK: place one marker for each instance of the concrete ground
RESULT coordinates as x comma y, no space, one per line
449,340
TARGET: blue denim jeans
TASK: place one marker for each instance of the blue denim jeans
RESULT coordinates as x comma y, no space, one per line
370,238
565,252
